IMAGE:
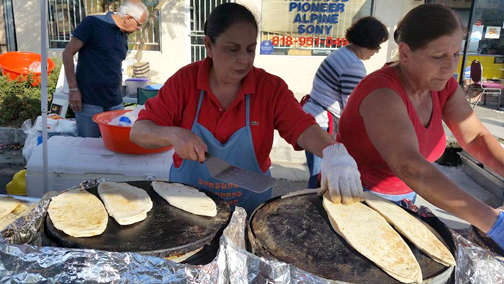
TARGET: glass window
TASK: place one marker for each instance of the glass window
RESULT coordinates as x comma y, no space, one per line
310,27
66,15
487,36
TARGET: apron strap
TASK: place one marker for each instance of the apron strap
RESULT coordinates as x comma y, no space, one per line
202,94
247,110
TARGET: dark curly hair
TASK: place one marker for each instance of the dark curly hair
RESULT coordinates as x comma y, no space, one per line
226,15
367,32
426,23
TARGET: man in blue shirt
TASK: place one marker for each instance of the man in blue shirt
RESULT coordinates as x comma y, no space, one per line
102,43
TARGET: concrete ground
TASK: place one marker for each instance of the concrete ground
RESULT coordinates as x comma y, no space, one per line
11,161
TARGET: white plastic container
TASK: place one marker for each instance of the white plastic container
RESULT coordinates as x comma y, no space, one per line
132,84
75,159
59,103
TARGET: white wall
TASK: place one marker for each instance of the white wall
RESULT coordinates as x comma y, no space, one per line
297,71
27,22
174,49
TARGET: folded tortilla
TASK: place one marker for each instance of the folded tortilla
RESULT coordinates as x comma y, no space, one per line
186,198
7,205
370,234
125,203
412,228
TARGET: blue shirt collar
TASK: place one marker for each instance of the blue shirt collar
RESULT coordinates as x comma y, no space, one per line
109,18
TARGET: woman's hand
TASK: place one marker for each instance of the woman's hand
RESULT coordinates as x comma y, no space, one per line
188,145
340,175
497,231
75,100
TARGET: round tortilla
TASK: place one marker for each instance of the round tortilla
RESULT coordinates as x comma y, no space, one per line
78,213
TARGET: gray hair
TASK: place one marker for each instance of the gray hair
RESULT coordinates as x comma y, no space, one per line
135,9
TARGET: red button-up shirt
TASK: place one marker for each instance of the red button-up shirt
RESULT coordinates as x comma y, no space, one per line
272,106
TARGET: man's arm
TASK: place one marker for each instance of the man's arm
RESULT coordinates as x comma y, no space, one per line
71,49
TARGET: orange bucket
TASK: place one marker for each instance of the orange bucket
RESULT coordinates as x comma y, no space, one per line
117,138
14,64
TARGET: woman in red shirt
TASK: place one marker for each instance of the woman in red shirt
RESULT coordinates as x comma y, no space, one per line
225,106
392,124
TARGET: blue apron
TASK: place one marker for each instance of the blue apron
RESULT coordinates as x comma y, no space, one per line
237,151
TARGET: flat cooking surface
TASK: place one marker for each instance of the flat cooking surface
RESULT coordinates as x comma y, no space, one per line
167,231
297,230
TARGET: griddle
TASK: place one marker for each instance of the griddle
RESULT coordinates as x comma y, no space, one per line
167,231
480,238
297,230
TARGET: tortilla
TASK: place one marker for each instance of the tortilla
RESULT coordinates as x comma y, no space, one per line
7,205
78,213
412,228
186,198
370,234
20,211
125,203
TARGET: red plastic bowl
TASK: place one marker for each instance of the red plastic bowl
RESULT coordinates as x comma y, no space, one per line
117,138
14,64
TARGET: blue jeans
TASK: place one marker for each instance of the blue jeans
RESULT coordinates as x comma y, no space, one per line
313,163
84,119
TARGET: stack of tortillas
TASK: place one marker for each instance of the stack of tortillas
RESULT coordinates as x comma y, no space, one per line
127,204
186,198
78,213
370,234
412,228
10,210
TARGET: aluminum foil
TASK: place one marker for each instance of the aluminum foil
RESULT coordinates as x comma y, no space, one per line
26,229
23,260
476,265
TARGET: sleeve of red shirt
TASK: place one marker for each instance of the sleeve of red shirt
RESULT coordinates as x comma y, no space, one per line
166,108
290,118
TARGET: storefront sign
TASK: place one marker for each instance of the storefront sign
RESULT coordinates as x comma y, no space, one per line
266,47
306,25
492,32
499,59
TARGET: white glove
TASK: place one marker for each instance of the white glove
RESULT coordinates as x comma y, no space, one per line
340,175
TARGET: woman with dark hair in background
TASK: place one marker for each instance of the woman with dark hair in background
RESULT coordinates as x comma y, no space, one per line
392,124
336,78
225,106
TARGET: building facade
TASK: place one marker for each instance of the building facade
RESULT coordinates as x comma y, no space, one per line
176,37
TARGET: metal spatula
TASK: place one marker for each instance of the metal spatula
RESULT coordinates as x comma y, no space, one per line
250,180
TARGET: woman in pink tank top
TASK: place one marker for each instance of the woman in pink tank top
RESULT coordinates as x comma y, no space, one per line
392,123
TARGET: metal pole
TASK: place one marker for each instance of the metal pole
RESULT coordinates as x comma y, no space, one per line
43,90
468,38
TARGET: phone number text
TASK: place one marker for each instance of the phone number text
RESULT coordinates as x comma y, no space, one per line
308,41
